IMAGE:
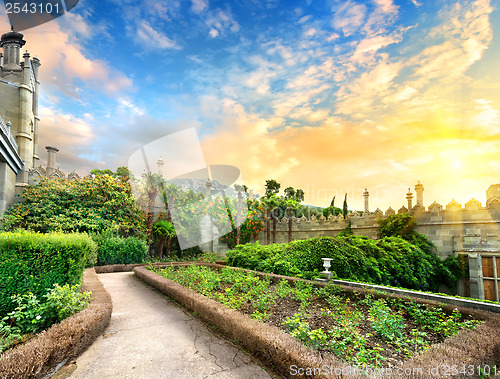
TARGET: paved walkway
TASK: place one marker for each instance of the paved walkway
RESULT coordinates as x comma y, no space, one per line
151,337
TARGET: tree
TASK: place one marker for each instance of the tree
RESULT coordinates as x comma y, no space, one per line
289,193
272,188
331,211
240,188
153,184
121,172
91,205
163,231
344,207
299,195
293,194
332,204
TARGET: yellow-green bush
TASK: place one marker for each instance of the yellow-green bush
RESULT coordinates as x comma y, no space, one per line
34,262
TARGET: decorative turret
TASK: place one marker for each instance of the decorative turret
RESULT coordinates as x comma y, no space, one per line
12,42
409,197
366,196
160,162
419,190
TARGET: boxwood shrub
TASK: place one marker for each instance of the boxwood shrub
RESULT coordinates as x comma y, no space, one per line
113,249
34,262
389,261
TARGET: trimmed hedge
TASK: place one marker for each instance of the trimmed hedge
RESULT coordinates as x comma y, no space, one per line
389,261
118,250
34,262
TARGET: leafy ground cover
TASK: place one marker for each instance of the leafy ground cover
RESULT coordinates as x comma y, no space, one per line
33,314
361,329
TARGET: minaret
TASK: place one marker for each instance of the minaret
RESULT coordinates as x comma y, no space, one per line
366,195
419,189
160,162
409,197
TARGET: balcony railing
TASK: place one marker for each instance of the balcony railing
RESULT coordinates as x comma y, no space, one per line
6,132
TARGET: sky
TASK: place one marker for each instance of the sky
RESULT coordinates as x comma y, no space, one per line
328,96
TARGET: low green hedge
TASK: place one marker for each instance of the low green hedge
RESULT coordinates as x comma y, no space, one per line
34,262
389,261
112,249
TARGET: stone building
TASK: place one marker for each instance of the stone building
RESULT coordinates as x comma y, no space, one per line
19,119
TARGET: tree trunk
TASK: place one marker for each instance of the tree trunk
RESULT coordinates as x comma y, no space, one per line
268,226
275,222
169,242
290,214
160,247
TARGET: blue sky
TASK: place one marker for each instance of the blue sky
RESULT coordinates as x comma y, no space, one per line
327,96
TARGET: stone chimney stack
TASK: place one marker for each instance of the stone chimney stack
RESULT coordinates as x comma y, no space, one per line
51,159
419,189
366,195
409,197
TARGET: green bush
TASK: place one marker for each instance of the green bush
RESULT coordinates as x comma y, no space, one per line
34,262
31,315
389,261
112,249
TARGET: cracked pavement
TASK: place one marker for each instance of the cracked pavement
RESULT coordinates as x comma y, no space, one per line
151,337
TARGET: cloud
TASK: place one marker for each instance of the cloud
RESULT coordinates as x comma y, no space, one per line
198,6
71,135
152,39
219,22
348,17
64,60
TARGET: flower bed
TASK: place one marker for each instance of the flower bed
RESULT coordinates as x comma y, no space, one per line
360,327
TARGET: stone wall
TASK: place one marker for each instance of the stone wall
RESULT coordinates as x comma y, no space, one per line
451,230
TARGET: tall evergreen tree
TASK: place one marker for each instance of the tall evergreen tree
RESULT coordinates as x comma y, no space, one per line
344,207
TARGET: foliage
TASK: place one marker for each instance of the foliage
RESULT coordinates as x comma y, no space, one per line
31,315
34,262
344,323
403,225
85,205
120,172
113,249
389,261
163,230
388,325
344,207
398,225
293,194
331,210
347,231
250,228
272,188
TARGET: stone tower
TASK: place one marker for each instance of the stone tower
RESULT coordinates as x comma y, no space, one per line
366,195
18,107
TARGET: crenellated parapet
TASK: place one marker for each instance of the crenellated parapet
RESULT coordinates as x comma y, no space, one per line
452,228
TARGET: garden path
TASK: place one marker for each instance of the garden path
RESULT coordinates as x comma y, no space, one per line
151,337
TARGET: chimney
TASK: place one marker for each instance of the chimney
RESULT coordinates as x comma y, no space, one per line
409,197
51,159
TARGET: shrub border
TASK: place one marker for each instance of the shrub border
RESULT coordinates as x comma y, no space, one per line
62,341
281,351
